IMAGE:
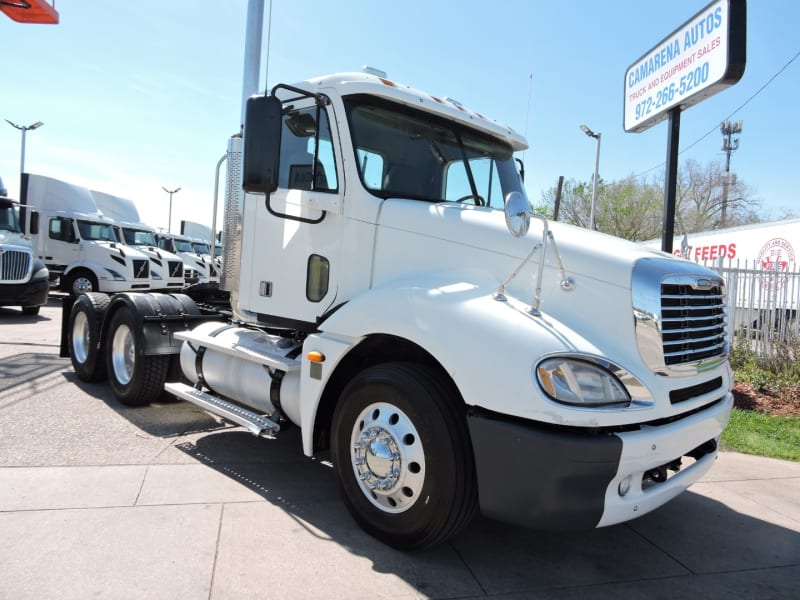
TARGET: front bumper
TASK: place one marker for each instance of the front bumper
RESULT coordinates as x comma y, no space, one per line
563,479
32,293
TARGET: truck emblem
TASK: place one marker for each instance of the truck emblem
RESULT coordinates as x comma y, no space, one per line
703,284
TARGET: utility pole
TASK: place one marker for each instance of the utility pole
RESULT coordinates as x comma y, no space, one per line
729,146
170,192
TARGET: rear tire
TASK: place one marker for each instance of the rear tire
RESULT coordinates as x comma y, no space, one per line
136,379
85,322
402,454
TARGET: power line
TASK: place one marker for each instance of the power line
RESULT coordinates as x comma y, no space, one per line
713,129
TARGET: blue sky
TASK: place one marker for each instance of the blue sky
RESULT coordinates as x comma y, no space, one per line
139,95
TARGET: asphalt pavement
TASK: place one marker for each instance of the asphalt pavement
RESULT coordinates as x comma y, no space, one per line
98,500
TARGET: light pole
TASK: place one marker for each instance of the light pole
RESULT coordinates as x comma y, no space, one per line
596,136
170,192
24,129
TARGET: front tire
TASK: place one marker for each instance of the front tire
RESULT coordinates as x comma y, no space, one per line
136,379
80,282
85,322
401,449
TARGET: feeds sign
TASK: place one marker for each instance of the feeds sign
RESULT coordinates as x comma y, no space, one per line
700,58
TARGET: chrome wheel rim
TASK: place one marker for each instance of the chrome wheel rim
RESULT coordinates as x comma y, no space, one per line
123,354
82,285
388,458
80,337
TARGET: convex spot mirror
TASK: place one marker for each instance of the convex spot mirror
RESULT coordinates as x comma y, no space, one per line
518,214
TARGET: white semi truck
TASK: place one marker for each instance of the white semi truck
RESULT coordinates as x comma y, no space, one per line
198,267
77,242
393,297
24,279
166,268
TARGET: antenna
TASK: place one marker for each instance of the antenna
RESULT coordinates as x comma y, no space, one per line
528,112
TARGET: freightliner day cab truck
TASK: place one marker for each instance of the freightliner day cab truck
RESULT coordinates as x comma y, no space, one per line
78,243
393,297
166,269
24,280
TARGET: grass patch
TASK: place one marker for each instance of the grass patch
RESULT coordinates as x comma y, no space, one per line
752,432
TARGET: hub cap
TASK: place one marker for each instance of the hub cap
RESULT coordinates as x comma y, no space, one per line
388,458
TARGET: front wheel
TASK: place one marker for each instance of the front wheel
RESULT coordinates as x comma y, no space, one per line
403,457
136,379
80,282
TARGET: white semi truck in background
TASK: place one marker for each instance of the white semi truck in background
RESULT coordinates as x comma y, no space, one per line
77,242
198,267
24,279
392,295
166,268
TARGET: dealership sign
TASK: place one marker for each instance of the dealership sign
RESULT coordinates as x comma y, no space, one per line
697,60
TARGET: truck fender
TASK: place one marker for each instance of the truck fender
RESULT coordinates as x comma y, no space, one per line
159,316
452,319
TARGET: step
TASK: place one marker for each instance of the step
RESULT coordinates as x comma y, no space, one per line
275,361
257,424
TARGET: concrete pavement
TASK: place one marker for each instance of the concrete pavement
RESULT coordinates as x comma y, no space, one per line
99,500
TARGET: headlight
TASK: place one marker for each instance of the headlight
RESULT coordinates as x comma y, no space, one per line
42,273
580,383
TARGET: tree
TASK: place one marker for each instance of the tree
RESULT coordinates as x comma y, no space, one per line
634,209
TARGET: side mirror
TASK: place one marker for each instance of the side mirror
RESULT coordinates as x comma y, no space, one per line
518,214
263,122
34,228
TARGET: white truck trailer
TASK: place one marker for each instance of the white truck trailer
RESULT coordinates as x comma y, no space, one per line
394,298
77,243
166,268
760,265
24,279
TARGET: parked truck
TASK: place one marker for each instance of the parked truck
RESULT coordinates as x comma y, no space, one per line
198,267
166,268
24,279
393,297
77,242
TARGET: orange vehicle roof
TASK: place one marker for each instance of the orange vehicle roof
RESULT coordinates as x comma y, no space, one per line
30,11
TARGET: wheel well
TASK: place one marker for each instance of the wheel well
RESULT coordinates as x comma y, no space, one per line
375,349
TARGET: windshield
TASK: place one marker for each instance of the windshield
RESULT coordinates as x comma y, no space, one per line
412,154
139,237
184,246
9,219
201,248
91,230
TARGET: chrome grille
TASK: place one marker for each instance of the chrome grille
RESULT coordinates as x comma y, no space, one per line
15,265
680,316
693,319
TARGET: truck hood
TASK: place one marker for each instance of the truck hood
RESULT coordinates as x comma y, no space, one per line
12,237
474,232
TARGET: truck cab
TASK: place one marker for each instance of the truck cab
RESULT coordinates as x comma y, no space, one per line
166,269
24,279
78,243
198,266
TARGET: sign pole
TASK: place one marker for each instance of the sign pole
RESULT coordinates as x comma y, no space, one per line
671,179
